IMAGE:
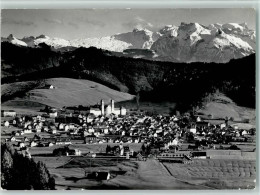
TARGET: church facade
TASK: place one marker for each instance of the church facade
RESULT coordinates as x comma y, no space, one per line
105,110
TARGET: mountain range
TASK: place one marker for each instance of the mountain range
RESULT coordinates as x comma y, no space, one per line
188,43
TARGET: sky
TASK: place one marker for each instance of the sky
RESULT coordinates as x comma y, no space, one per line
83,23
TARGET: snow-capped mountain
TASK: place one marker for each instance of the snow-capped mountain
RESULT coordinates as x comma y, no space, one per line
139,38
185,43
197,43
13,40
107,43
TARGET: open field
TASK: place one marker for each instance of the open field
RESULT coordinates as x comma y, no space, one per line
70,172
221,174
151,174
85,148
67,92
222,106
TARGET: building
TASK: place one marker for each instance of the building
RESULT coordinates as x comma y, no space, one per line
192,130
53,114
10,113
106,110
48,86
199,155
202,124
74,152
90,139
63,141
6,123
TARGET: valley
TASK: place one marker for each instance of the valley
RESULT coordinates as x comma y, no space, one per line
168,108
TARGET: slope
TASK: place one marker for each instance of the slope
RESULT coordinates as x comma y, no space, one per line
66,92
220,106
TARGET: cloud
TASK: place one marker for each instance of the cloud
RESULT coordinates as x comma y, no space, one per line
73,24
95,23
53,21
91,22
18,22
138,22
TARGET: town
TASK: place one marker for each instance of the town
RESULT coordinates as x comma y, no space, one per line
126,136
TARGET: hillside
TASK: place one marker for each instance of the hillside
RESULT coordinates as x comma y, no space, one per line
220,106
67,92
185,83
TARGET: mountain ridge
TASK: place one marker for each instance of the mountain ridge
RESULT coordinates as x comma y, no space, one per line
189,42
152,79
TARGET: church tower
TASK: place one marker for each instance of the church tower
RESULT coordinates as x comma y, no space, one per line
112,106
102,107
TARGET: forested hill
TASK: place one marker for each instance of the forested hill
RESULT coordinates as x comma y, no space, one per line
153,80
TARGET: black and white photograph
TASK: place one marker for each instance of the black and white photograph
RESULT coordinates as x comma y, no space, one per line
128,99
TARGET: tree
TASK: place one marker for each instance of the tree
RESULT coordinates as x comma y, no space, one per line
43,177
21,173
6,169
137,97
108,149
190,137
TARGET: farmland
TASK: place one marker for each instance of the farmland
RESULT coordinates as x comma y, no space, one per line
217,173
70,172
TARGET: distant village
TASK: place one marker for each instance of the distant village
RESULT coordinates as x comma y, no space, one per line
161,136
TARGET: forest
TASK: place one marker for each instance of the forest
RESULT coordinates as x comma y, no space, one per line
184,83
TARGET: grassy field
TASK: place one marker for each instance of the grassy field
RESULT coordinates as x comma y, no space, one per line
221,174
70,172
222,106
85,148
67,92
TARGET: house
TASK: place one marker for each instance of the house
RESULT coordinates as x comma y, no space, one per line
244,132
192,130
45,129
48,86
14,122
202,124
6,123
53,114
61,126
223,125
90,139
63,141
26,139
53,131
33,144
66,127
174,142
12,139
74,152
21,144
27,130
199,155
6,113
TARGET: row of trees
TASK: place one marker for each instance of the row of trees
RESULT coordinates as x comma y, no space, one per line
21,173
